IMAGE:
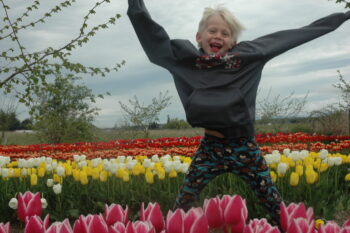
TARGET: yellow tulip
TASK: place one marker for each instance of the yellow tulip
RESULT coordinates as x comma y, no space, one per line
172,173
273,176
83,178
56,178
29,171
76,174
318,223
120,172
42,164
33,179
311,176
138,169
17,172
88,170
294,179
34,171
126,176
299,169
68,170
347,177
161,173
149,176
95,174
41,171
323,167
11,172
273,165
103,176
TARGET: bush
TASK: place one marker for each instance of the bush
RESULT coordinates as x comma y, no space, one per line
177,124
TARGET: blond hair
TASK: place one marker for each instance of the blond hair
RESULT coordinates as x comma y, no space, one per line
234,25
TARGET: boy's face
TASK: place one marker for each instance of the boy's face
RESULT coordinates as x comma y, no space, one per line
216,37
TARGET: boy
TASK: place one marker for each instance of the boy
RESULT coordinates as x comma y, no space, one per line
217,85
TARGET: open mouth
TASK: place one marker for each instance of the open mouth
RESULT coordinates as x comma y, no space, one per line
215,47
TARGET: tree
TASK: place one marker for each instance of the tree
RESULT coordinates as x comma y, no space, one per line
61,111
8,116
142,116
281,108
347,3
344,88
21,69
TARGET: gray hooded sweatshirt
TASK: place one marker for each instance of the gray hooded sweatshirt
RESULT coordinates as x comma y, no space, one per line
220,98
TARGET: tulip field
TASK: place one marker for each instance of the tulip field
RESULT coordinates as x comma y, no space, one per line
130,186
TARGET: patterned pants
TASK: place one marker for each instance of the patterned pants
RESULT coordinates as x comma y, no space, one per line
240,156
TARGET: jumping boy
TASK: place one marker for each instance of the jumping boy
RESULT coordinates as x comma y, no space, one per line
217,85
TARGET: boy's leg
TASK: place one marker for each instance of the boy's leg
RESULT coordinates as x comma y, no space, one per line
246,160
205,166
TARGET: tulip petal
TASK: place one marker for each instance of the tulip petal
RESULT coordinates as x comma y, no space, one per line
156,217
213,212
34,225
200,225
174,221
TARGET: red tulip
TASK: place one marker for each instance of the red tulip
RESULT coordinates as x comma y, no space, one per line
29,205
115,213
235,213
153,214
140,227
4,228
301,225
175,221
34,224
294,211
214,212
330,227
260,226
347,223
60,227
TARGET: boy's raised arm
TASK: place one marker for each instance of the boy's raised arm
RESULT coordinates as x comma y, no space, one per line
276,43
154,39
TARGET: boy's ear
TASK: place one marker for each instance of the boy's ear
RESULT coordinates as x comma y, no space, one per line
198,37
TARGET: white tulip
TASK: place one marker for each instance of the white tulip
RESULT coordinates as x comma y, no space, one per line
129,158
54,164
282,168
49,182
184,167
146,163
268,158
286,152
131,164
24,172
82,164
304,154
95,162
49,167
43,203
30,163
5,172
57,188
168,165
176,158
113,168
177,165
13,203
337,161
60,171
155,158
323,154
121,159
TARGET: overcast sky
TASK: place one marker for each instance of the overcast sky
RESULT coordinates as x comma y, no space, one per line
311,67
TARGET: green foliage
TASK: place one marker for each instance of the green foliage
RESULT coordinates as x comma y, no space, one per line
347,3
141,116
61,111
29,70
176,124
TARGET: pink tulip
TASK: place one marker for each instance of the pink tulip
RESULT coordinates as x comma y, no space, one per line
347,223
329,227
301,225
260,226
191,217
118,227
200,225
346,227
214,212
4,228
90,224
294,211
235,213
34,224
29,205
153,214
175,221
60,227
115,213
